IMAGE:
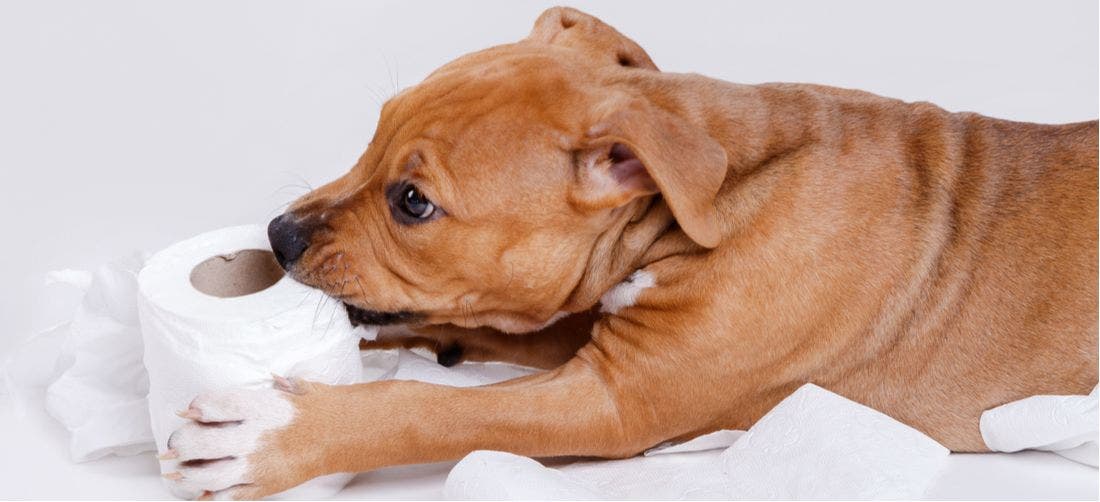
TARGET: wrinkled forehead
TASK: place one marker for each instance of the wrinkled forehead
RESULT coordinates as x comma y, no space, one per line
502,97
516,78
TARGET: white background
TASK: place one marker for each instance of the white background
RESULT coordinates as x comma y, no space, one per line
129,125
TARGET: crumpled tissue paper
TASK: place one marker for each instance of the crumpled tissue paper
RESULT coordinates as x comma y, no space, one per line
684,471
817,444
99,395
1066,425
496,475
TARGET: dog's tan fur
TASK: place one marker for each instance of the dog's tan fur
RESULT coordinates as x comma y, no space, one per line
928,264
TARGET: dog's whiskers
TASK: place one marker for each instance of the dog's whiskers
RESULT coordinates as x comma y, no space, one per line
395,84
362,292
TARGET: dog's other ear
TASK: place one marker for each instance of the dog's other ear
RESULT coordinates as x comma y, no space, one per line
572,28
637,149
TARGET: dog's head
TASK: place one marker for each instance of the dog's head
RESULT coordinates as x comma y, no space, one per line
486,189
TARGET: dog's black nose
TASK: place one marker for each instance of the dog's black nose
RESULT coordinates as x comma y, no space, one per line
289,239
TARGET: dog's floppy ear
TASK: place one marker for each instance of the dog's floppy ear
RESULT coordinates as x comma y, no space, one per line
637,149
572,28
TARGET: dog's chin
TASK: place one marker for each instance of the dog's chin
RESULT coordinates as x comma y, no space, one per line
359,316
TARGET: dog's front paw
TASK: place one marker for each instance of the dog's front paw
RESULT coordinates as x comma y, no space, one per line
243,443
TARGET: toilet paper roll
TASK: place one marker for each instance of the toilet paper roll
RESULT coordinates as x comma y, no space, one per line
217,311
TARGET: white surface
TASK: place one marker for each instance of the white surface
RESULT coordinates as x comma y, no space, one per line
131,125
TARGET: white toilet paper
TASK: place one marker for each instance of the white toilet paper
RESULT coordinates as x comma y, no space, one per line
196,341
1066,425
410,365
816,444
496,475
713,441
99,395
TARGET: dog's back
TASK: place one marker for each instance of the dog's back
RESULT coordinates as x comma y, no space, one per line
929,264
997,299
1012,290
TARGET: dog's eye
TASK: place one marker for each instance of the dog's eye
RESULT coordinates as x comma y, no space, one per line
415,204
409,206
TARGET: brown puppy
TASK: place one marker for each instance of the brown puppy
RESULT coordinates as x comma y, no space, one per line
709,235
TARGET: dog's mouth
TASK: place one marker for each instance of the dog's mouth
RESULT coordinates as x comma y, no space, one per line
359,316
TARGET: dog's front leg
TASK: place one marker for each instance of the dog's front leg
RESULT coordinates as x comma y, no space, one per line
250,444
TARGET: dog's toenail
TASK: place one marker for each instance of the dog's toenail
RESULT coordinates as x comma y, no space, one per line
190,414
284,384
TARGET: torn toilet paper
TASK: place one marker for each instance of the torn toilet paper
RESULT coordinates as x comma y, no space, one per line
814,444
1066,425
100,394
817,444
496,475
690,472
712,441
